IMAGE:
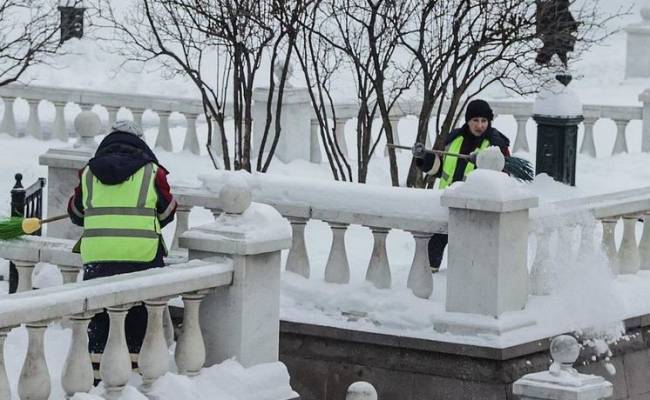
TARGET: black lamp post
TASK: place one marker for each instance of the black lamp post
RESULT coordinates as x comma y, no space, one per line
558,112
72,19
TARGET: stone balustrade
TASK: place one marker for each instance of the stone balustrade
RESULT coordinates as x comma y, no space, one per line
240,320
112,102
575,222
309,148
522,112
386,212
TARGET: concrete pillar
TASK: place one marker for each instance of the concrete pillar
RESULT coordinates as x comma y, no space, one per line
63,165
637,59
490,276
295,137
242,320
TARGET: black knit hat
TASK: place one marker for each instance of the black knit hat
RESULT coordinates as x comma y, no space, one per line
478,108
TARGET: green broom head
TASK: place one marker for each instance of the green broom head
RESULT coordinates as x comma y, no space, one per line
11,228
519,168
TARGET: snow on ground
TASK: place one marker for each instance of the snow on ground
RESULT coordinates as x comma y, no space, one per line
586,294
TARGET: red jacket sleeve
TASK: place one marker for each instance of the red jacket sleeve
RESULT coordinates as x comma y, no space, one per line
166,204
75,204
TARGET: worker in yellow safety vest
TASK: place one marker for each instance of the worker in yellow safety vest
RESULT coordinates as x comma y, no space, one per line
476,134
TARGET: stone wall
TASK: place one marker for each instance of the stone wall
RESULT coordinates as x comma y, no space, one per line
324,361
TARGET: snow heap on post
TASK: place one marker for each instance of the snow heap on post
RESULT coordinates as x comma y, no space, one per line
487,273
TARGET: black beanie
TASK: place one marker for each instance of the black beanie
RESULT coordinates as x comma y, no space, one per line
478,108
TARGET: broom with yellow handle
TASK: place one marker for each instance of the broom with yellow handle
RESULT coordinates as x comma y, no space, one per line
15,227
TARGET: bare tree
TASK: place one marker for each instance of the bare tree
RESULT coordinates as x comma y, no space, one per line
29,35
367,33
464,46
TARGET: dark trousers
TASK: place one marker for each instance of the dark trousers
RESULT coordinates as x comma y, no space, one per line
136,318
437,245
13,278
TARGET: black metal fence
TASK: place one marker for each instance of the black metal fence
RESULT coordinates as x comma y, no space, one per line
25,203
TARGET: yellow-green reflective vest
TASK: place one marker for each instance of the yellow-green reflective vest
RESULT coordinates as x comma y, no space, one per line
120,221
449,163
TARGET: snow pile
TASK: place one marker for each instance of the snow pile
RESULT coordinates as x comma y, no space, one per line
557,100
489,185
333,195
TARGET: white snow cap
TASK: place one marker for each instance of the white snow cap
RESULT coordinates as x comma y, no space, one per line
557,100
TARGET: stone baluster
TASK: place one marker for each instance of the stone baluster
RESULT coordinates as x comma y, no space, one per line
378,271
340,135
25,270
33,121
644,244
216,138
190,349
153,360
420,279
5,389
60,129
541,271
137,116
587,239
112,114
628,253
620,145
77,374
609,243
164,140
314,142
182,223
115,366
645,128
297,260
521,141
34,381
394,122
191,142
69,273
8,119
337,269
588,145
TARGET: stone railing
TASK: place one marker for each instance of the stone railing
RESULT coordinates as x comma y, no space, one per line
112,102
574,221
522,112
339,204
294,144
222,255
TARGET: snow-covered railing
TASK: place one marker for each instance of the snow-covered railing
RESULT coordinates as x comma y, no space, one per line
192,108
80,301
522,111
112,102
242,257
574,218
339,204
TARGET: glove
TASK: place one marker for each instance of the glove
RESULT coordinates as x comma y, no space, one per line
418,150
472,156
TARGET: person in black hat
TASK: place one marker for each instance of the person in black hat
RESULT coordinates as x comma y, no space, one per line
476,134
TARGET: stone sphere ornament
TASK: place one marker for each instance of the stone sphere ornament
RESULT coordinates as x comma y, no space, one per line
87,125
491,158
235,198
565,350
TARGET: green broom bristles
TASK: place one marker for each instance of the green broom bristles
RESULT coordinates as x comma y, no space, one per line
11,228
519,168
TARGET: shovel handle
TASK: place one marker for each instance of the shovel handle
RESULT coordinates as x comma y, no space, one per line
55,218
